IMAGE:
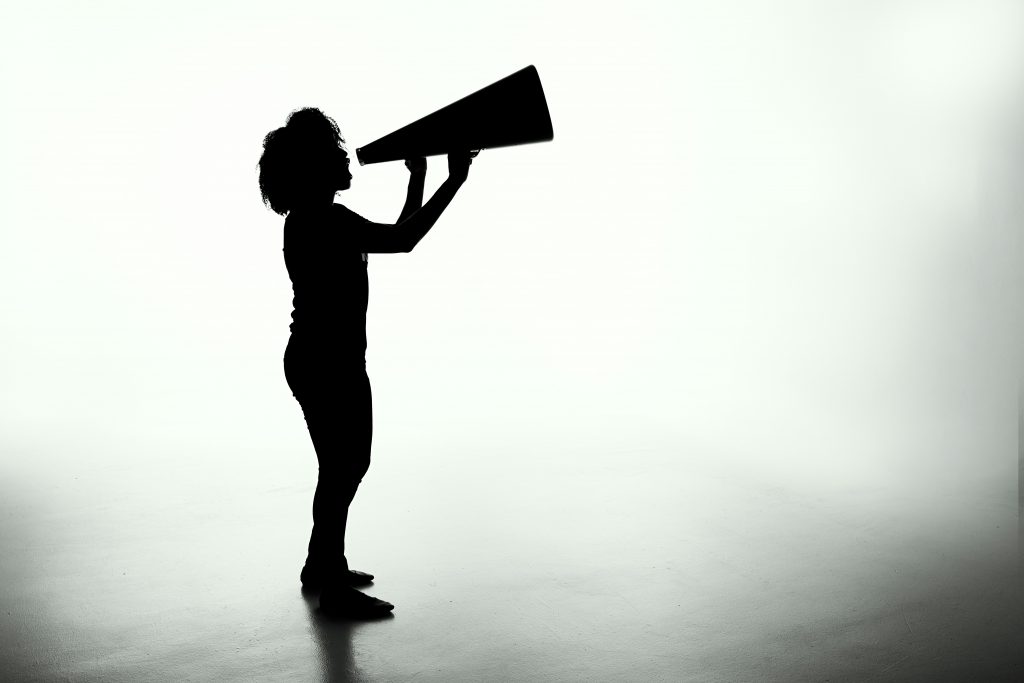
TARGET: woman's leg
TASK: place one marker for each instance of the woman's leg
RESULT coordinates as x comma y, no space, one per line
339,416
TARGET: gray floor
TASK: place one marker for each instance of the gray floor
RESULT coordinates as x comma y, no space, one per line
638,559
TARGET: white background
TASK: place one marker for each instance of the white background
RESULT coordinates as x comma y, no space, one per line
786,230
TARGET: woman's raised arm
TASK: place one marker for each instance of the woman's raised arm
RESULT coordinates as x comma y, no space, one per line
414,196
382,238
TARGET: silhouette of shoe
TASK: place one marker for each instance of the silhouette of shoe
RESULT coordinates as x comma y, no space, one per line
345,601
313,578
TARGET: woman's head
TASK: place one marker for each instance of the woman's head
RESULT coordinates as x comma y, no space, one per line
303,161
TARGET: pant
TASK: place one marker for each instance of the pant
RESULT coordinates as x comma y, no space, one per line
335,398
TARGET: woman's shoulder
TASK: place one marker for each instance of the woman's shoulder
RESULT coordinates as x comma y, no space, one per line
319,227
332,213
343,213
304,214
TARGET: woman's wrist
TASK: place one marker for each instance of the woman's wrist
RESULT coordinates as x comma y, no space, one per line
416,166
416,184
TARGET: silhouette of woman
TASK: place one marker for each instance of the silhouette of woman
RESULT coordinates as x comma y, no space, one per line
303,165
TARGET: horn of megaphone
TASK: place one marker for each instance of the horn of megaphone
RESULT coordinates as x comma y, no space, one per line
509,112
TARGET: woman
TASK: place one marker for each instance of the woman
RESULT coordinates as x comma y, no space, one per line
325,251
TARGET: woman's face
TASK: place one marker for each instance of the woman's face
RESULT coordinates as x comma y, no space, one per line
343,178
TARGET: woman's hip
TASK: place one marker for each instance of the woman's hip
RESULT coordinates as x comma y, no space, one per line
317,371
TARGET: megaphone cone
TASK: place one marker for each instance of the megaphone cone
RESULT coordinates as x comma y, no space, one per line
509,112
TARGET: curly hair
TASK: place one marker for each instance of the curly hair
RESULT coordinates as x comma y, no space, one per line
295,157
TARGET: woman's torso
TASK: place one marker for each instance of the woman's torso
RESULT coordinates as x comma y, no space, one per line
329,284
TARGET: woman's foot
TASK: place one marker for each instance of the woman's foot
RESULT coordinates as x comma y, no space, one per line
313,577
345,601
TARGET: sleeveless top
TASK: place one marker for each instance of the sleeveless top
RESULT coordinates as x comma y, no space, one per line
329,282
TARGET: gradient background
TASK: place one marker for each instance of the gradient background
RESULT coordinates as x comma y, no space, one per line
784,234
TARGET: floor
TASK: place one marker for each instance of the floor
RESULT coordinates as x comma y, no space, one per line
625,556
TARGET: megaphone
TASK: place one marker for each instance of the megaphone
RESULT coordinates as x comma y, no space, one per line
509,112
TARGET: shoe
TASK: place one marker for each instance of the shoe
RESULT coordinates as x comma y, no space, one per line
345,601
312,578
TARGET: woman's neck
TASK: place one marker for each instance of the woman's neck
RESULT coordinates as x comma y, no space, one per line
319,201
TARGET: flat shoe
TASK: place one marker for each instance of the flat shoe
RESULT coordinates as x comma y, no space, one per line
353,604
313,579
358,578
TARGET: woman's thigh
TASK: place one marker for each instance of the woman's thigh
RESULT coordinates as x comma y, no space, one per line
338,408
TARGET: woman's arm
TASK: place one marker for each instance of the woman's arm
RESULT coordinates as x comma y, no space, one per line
381,238
414,197
419,223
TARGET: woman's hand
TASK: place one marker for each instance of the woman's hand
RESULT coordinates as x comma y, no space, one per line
416,165
458,165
